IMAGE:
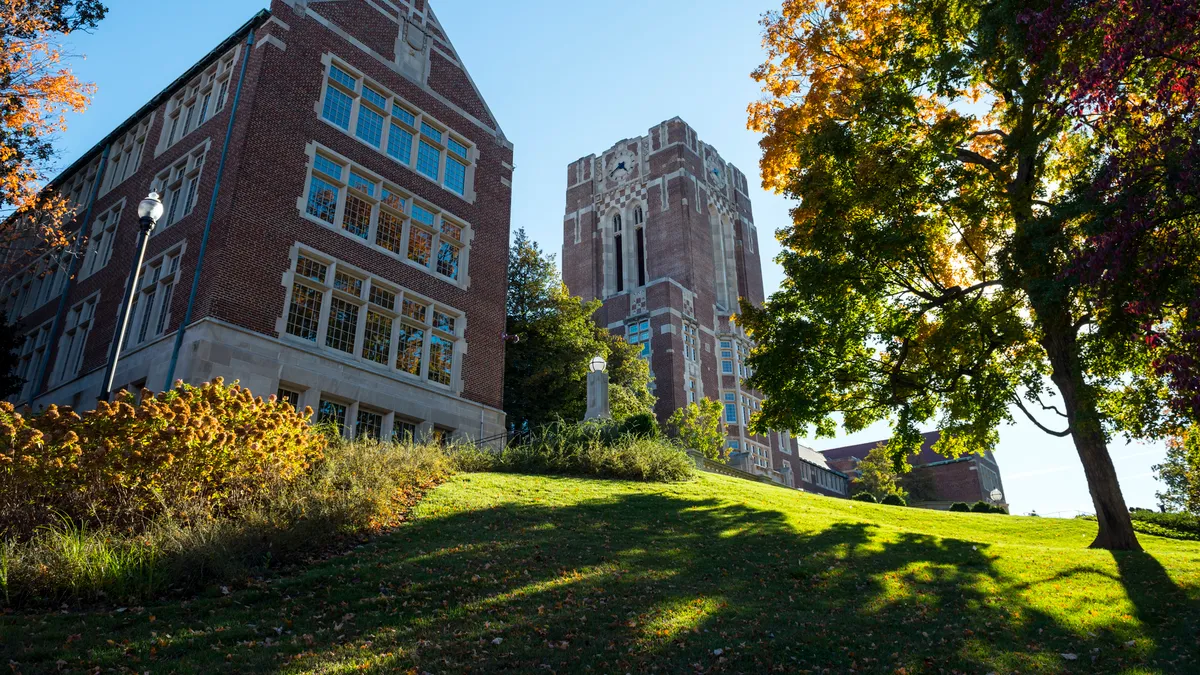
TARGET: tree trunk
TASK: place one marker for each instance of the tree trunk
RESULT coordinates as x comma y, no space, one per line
1116,527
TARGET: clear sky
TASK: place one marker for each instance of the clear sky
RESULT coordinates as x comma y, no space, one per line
567,79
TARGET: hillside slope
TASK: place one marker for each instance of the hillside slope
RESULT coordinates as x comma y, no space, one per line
520,573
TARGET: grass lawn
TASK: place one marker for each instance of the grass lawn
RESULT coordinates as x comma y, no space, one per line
535,574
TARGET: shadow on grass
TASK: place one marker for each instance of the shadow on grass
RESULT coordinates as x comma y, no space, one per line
638,583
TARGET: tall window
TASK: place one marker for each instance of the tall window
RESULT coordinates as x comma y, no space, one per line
179,186
381,215
125,156
100,241
691,390
199,100
69,359
619,252
691,341
151,311
381,119
33,349
638,333
400,331
41,281
731,413
638,216
641,256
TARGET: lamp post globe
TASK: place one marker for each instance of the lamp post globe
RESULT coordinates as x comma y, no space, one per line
996,495
150,208
597,364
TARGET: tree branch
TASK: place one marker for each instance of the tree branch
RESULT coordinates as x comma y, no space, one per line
1061,434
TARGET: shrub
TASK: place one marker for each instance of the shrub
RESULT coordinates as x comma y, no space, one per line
864,497
893,500
960,507
591,449
981,507
644,425
996,508
358,487
1182,522
127,462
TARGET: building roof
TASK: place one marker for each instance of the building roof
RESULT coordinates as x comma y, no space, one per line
924,457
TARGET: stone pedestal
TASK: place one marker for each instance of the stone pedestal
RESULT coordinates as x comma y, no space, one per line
597,396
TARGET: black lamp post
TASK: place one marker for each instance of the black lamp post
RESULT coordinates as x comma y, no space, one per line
149,211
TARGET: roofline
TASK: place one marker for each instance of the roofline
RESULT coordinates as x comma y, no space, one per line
252,24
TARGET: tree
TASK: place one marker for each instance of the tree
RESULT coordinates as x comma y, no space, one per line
552,339
698,426
35,93
1180,472
879,475
962,168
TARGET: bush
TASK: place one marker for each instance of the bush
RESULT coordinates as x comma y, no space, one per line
358,487
960,507
981,507
644,425
864,497
996,508
1181,522
893,500
126,463
595,449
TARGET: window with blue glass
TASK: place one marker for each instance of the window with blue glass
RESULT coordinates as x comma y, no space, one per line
429,160
370,127
638,333
727,367
731,413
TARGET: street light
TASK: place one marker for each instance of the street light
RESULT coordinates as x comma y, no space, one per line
149,211
996,495
597,364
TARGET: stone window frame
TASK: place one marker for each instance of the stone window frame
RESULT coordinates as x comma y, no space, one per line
640,332
125,155
180,180
150,314
386,200
362,297
100,238
691,341
68,360
36,284
405,117
199,101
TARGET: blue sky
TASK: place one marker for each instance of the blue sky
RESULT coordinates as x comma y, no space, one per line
567,79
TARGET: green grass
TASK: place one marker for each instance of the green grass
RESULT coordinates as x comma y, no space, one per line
529,574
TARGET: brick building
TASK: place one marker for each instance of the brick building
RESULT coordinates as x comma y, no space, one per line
661,229
337,190
969,478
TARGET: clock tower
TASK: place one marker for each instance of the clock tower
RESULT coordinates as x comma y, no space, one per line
660,228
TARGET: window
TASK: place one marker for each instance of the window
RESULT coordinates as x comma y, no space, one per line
41,281
641,256
125,155
727,367
29,360
332,412
731,413
387,123
199,101
69,359
403,431
401,331
369,425
383,216
179,186
691,341
638,333
100,241
288,397
638,217
735,446
151,310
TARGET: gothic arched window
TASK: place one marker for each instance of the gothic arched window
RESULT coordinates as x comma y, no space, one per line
637,216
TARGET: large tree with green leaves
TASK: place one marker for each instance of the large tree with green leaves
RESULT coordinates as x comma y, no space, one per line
1180,474
552,337
988,222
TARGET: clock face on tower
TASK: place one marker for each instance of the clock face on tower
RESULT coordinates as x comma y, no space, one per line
715,170
621,165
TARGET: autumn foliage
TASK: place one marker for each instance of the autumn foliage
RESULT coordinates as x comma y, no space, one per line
36,92
125,463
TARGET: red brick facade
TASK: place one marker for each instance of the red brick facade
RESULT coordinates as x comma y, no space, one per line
261,222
